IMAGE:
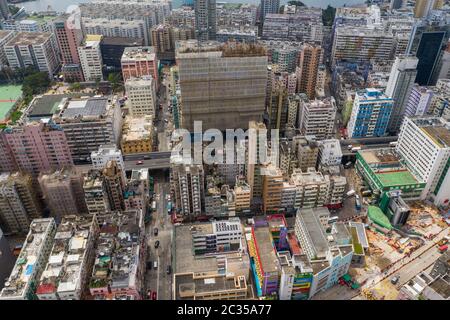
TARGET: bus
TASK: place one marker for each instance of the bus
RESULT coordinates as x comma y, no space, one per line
332,220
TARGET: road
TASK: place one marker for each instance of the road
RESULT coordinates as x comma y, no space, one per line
158,279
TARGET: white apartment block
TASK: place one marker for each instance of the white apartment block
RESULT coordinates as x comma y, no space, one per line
91,60
5,36
424,145
337,191
31,261
141,93
69,265
115,28
36,49
107,153
317,118
330,153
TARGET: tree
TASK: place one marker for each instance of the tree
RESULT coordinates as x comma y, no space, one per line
115,80
328,15
35,83
76,87
13,9
296,3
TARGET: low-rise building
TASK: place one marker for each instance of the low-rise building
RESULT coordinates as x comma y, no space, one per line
21,284
95,193
69,265
120,256
137,135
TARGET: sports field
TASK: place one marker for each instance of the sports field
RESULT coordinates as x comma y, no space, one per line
9,94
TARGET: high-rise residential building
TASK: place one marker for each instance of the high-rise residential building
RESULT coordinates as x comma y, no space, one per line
141,93
88,123
112,50
6,259
401,80
242,196
272,182
19,202
317,118
106,153
428,40
362,44
130,29
330,153
308,66
121,240
396,4
140,61
21,284
419,101
313,188
91,58
121,13
113,177
63,192
282,53
305,25
95,193
444,70
64,277
36,49
277,109
5,36
205,19
162,38
306,152
69,36
253,169
370,114
424,145
235,76
423,7
187,184
35,147
268,6
4,10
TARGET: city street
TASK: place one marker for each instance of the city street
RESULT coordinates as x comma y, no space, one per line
158,280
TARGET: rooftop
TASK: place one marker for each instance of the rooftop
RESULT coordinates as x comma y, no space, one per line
68,257
397,178
24,270
29,38
189,285
436,128
122,41
118,250
139,53
266,251
316,234
136,129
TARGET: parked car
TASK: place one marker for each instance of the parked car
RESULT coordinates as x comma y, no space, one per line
155,232
156,244
149,294
169,270
139,162
395,279
154,295
149,265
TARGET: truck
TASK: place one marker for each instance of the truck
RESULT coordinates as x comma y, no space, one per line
350,193
393,143
355,149
443,248
357,203
366,193
350,147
